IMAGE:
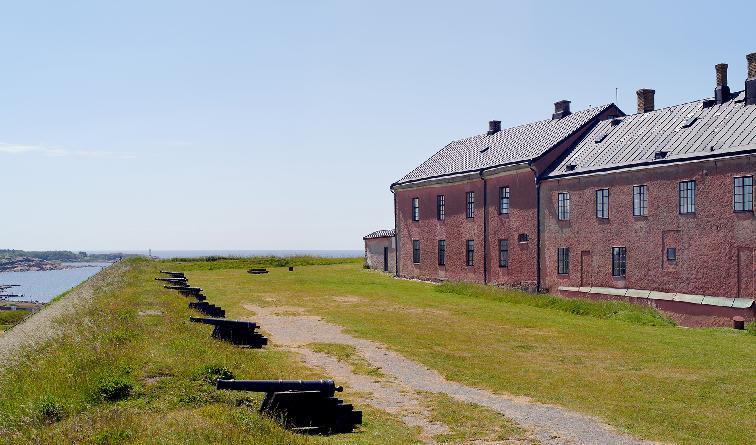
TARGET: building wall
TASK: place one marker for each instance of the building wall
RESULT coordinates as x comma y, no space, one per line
715,246
521,219
374,253
456,229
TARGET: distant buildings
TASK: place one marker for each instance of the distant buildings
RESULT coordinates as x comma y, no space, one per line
380,250
654,207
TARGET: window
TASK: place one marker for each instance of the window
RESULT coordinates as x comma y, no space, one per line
522,238
415,209
671,253
688,197
602,203
503,200
619,261
470,204
640,200
470,252
503,253
416,251
743,194
441,252
440,207
563,206
563,260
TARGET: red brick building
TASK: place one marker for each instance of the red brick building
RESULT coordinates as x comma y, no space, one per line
655,207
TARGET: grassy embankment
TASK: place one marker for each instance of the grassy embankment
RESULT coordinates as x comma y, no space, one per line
132,369
622,363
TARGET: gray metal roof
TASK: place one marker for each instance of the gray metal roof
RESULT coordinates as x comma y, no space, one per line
684,132
380,234
509,146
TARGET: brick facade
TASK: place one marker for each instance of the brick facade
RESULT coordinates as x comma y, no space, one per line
714,246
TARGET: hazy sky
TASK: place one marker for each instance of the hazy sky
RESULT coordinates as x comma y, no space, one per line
281,125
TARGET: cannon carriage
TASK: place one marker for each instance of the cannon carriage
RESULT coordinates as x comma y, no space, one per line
238,332
305,406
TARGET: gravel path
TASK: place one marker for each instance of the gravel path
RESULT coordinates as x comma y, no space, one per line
551,425
43,326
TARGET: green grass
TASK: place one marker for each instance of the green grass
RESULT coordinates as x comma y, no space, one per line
468,422
624,364
347,354
218,262
609,310
10,318
119,377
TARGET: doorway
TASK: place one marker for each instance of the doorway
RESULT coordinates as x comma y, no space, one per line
585,268
385,259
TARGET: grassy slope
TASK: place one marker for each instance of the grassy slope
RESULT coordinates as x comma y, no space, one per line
658,382
58,394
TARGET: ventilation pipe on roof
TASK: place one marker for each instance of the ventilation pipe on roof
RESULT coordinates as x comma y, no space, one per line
722,91
494,127
645,100
751,81
561,109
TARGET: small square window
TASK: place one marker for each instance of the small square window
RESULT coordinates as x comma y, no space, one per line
522,238
671,253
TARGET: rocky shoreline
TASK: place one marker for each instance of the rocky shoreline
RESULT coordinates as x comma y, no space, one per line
27,264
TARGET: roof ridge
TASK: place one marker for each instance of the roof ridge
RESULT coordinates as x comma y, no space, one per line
599,107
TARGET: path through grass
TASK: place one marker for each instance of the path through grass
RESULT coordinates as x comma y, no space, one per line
635,371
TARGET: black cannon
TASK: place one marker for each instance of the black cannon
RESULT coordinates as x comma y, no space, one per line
238,332
208,309
173,274
188,291
255,271
176,281
305,406
183,288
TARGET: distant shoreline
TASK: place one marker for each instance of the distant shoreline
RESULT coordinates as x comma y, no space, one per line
37,265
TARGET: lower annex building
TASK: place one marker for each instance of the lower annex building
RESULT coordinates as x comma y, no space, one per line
654,207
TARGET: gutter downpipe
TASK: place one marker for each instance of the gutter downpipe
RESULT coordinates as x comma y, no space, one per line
396,238
538,227
485,227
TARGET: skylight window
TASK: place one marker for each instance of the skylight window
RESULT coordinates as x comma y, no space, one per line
601,137
689,121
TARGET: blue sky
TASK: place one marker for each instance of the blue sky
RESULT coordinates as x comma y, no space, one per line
280,125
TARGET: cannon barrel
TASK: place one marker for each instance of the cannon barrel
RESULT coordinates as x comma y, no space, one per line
184,288
172,279
270,386
224,322
175,274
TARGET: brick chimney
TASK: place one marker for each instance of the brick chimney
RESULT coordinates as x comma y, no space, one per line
494,127
561,109
750,83
722,91
645,100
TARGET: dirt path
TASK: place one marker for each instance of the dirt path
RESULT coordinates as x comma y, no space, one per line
43,325
398,392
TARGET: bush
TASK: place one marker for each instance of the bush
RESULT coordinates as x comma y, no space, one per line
113,389
50,409
751,328
212,373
